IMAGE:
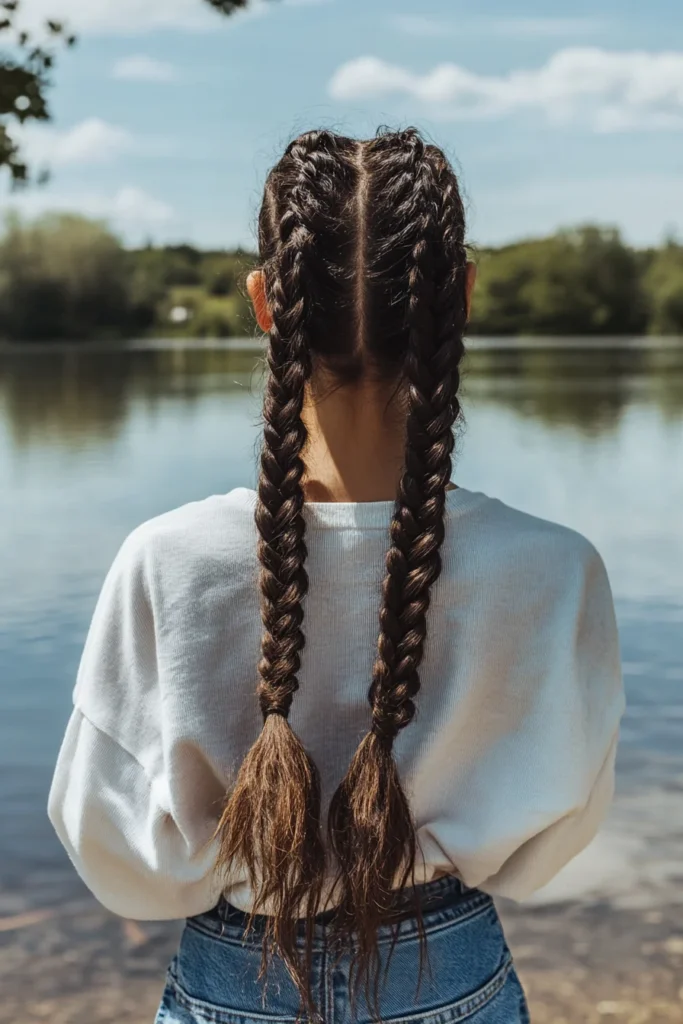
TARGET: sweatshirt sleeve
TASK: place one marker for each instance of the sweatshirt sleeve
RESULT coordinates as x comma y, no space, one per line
582,732
111,802
116,826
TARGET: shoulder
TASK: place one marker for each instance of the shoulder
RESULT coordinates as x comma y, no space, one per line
540,578
516,542
191,538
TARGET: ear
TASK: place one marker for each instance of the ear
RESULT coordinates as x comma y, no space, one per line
471,281
256,286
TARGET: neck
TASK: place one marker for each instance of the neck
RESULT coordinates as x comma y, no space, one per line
356,445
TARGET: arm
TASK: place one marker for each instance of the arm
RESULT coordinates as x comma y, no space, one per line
586,742
141,851
115,823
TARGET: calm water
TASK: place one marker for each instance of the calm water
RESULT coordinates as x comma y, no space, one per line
92,443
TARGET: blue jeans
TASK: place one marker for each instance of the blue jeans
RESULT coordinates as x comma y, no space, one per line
468,973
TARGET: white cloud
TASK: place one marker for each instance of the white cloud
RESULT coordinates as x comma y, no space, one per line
139,67
135,206
608,91
521,28
123,16
130,210
130,17
92,141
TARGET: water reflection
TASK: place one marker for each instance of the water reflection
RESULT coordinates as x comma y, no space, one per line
73,396
586,387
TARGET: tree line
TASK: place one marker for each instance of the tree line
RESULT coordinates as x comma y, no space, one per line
584,281
64,277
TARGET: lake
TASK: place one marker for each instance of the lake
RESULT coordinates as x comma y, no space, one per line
94,441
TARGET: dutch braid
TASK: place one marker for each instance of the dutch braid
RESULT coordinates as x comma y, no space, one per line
271,823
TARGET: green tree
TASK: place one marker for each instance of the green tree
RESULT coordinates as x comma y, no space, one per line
206,288
63,277
664,290
25,70
583,281
228,6
26,66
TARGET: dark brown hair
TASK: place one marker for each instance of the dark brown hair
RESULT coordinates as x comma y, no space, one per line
362,246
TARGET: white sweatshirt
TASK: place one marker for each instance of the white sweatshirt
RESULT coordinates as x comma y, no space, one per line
509,765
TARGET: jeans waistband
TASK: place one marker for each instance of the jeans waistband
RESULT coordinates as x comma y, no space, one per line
440,901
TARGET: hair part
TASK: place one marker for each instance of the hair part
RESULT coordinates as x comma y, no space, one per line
363,251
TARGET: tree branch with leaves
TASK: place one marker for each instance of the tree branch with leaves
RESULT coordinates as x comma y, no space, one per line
26,65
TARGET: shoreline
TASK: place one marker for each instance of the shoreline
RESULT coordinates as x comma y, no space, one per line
255,344
581,963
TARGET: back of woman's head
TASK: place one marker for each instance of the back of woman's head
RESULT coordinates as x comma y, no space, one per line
365,267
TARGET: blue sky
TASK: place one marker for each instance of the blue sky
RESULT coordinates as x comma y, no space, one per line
167,116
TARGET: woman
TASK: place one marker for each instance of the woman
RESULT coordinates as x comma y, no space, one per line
362,841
